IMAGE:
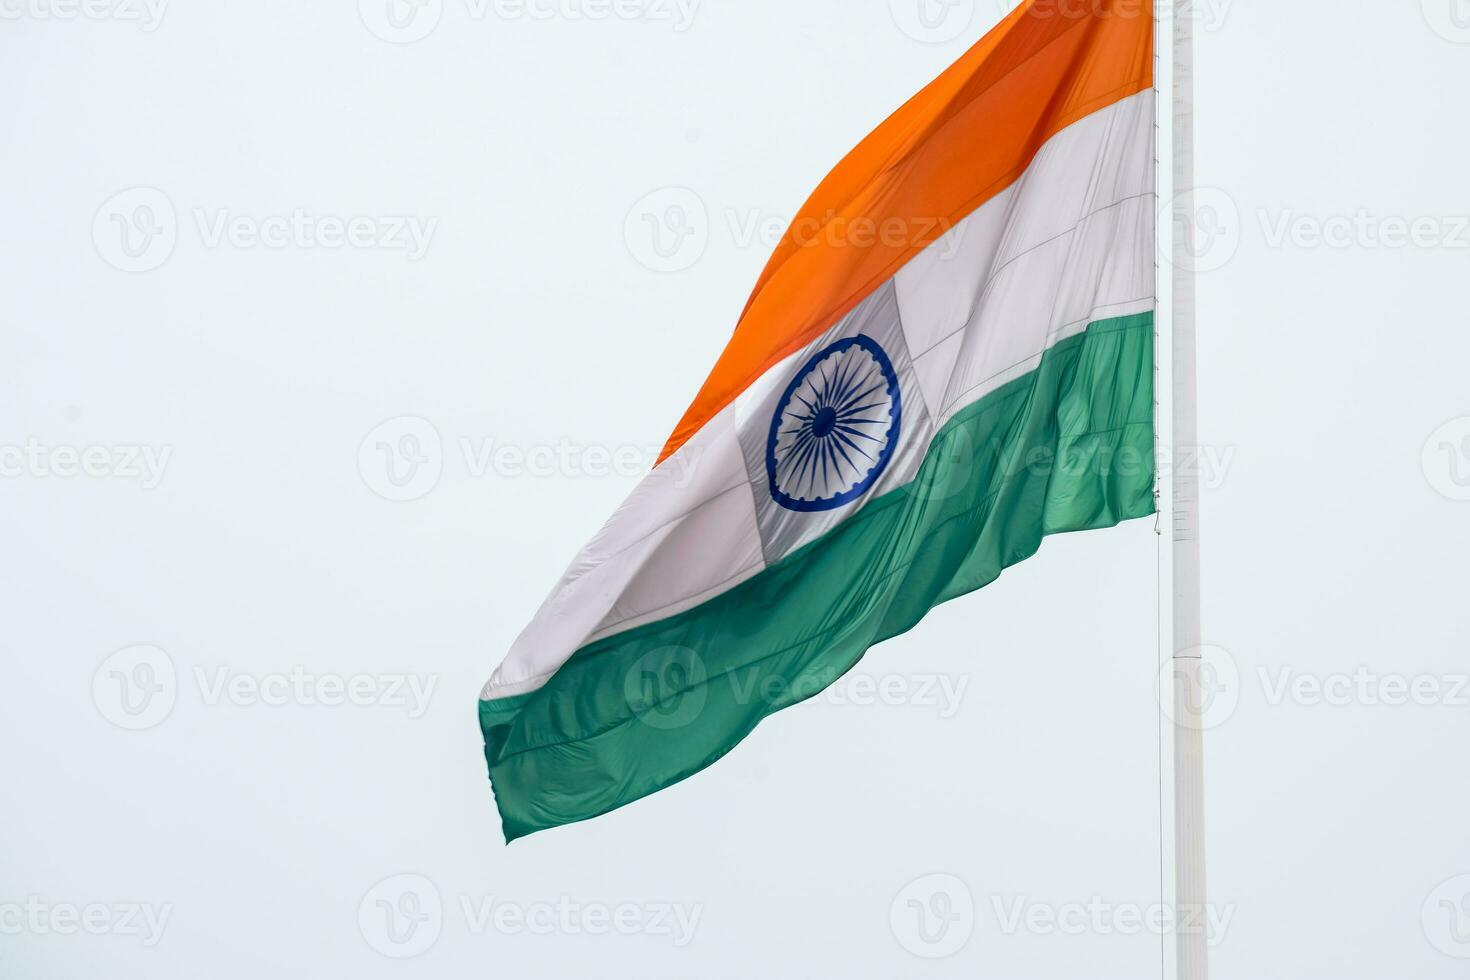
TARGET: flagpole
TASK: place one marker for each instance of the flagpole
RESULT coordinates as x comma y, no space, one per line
1191,941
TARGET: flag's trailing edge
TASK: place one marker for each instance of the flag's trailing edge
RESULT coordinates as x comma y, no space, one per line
949,356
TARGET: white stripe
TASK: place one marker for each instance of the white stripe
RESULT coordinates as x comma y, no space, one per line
687,531
1070,243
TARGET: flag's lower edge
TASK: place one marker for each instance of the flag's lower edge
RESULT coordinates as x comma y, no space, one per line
1067,447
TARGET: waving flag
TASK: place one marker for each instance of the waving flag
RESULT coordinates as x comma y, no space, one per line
949,356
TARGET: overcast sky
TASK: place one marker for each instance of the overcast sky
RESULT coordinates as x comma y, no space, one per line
249,243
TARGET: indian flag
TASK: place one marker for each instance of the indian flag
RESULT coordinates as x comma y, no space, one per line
948,357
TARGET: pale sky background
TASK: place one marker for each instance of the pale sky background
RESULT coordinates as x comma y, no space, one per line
229,536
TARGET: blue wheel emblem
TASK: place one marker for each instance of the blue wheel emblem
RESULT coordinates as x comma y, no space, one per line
835,427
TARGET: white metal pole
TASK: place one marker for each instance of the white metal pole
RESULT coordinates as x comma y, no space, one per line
1192,945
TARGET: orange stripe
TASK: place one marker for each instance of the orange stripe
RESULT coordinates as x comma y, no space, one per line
965,138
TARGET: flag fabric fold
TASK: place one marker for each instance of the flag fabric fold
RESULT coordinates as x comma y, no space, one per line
948,357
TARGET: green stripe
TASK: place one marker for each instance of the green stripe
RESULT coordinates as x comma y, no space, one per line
1068,447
